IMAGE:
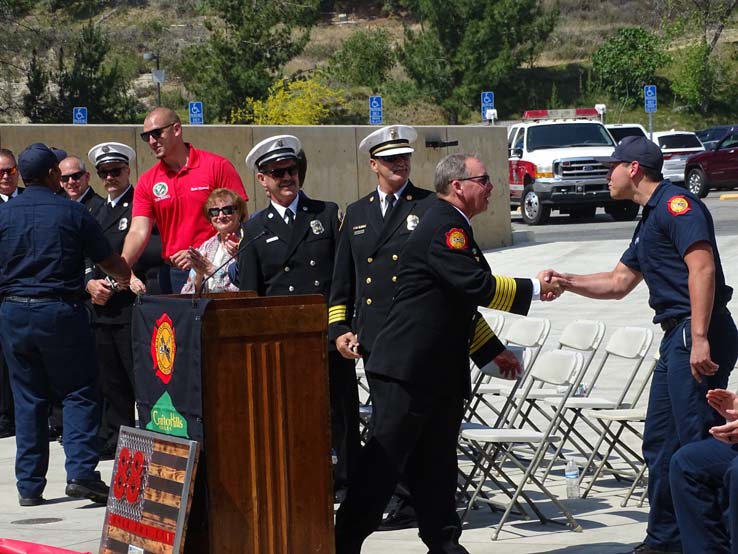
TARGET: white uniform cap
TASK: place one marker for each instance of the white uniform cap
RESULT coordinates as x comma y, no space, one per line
107,152
389,141
273,149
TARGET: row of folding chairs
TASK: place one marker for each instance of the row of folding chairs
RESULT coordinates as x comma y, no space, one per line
514,433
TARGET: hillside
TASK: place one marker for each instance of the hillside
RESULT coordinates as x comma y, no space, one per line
560,74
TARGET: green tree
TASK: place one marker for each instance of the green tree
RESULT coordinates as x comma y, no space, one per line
628,61
86,82
363,59
249,44
467,46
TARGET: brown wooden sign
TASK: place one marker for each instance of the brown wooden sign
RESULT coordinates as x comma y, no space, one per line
150,493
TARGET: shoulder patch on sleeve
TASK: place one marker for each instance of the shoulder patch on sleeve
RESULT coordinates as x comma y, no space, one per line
456,239
678,205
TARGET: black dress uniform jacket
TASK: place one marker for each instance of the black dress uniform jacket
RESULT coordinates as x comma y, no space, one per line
115,224
365,275
92,201
443,277
298,259
290,259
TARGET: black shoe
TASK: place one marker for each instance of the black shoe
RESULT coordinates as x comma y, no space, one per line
27,501
92,489
643,548
397,520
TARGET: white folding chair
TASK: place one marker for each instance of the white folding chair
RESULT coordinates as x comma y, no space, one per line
490,445
616,424
528,332
626,346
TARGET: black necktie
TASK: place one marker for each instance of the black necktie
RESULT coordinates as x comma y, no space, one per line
109,206
390,199
290,217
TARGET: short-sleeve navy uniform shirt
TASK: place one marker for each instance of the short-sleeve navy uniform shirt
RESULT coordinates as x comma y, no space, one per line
43,242
672,221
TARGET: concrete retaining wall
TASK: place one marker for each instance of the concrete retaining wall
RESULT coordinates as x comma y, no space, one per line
336,169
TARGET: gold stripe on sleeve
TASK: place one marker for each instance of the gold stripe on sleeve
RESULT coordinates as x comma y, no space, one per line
505,291
337,314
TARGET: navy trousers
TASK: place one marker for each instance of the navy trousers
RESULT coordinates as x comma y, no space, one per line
413,433
678,414
704,485
50,352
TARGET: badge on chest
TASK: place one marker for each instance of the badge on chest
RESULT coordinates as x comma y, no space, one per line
317,227
123,224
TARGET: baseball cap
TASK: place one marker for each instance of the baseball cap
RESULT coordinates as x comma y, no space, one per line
636,149
35,161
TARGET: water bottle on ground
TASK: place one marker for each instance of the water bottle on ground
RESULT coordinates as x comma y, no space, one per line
572,479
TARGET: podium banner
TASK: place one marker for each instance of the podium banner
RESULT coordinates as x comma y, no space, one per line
167,353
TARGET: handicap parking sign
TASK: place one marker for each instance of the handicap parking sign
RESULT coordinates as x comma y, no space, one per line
79,115
196,113
375,110
488,103
649,98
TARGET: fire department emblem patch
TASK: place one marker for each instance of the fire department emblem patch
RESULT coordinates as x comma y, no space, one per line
678,205
456,239
163,348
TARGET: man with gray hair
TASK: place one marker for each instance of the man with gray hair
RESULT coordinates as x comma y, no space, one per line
419,392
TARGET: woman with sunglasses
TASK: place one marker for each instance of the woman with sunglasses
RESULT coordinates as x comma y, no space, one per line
225,210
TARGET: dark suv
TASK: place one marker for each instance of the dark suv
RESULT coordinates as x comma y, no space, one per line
715,168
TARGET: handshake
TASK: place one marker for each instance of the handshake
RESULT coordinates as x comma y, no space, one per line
553,284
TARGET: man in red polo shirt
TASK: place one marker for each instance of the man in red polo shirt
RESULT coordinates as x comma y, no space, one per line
171,194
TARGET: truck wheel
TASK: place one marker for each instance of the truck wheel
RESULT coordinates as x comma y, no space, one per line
696,183
534,213
585,212
625,210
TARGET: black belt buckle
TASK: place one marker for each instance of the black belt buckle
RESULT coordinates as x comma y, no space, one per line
668,324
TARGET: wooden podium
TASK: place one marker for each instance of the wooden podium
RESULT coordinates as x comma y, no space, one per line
266,426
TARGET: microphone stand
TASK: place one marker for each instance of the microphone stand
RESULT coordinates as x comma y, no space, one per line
198,293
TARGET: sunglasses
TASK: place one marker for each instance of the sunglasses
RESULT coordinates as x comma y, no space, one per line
226,210
156,133
280,172
9,171
482,180
74,176
115,172
392,159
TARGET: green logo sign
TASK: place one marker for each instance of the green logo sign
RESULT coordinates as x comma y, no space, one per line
166,419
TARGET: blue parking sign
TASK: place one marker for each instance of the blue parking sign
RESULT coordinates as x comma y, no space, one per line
649,98
488,103
79,115
375,110
196,113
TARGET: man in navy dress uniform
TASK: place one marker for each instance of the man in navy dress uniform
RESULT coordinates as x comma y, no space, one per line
419,368
294,254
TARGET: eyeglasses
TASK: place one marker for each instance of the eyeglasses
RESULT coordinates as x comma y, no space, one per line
227,210
73,176
280,172
481,180
392,159
156,133
9,171
115,172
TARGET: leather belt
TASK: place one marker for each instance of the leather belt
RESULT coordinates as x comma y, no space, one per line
37,299
668,324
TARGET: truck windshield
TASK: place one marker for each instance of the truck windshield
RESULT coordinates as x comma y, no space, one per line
568,135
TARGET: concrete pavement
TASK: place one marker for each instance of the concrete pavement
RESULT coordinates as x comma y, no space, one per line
608,528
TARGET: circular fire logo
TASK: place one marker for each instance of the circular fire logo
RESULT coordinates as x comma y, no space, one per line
163,348
678,205
456,239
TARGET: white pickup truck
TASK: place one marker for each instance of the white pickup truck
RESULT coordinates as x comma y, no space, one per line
552,166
